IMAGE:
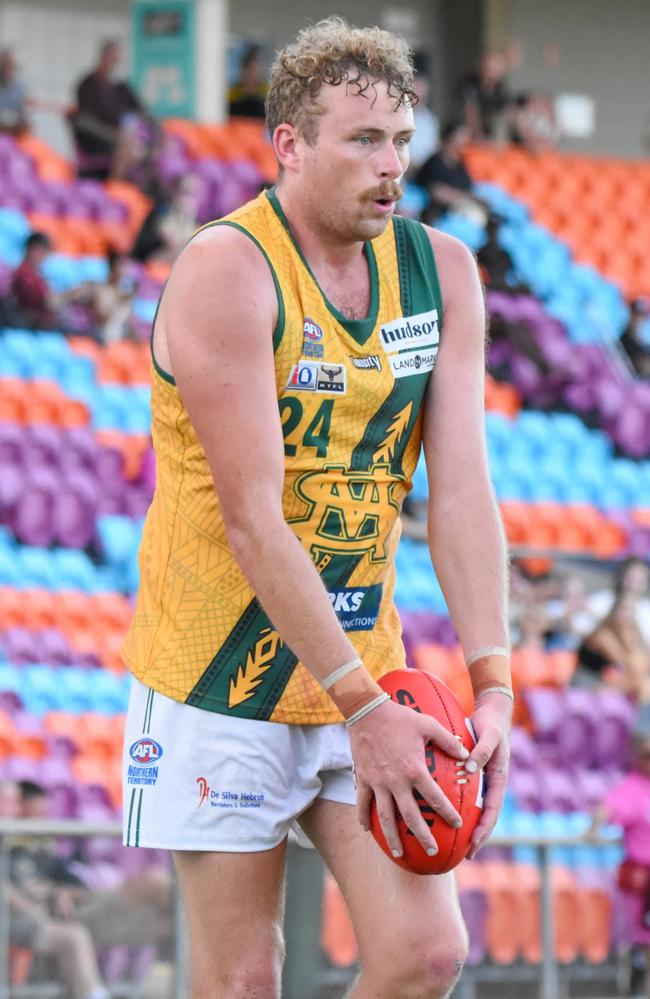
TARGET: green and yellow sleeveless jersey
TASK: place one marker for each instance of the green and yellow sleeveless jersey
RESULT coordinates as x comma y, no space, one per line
350,396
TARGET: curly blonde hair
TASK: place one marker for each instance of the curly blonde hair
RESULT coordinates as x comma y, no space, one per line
333,52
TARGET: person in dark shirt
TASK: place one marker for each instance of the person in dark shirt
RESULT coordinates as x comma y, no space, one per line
246,96
635,340
31,303
104,104
446,179
13,100
485,98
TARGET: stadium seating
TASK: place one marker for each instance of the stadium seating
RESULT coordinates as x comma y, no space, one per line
77,474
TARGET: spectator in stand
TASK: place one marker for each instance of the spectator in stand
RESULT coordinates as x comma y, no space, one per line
105,120
171,222
532,123
31,926
136,913
632,577
635,340
485,99
247,95
111,303
615,652
31,304
446,178
628,805
13,116
427,128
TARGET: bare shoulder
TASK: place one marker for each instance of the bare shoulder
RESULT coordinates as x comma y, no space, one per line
222,257
221,282
457,269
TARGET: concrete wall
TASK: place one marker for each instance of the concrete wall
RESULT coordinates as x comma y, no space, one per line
599,48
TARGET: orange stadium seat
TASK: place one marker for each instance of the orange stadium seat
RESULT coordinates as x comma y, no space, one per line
448,665
8,735
131,446
595,923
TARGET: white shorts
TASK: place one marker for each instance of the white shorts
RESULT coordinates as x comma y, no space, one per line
198,780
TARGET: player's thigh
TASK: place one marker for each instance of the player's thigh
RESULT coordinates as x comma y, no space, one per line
392,911
234,907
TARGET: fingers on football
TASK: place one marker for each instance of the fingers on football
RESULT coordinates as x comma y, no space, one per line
439,802
488,741
388,821
436,733
497,780
414,819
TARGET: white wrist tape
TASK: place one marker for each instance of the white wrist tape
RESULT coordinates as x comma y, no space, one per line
366,709
491,650
339,673
497,690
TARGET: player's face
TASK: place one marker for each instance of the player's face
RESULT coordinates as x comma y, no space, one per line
349,175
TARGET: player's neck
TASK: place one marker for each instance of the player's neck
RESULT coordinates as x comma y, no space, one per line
318,245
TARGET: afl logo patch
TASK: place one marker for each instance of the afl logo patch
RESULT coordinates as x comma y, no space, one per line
145,751
312,331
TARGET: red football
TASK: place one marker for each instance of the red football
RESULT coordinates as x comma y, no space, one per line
422,692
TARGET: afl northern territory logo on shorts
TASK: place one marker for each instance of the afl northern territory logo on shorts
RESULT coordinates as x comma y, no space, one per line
145,754
312,345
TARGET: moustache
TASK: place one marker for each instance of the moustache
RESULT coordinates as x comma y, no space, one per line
391,192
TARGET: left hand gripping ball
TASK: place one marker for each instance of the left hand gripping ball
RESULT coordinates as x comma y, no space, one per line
420,691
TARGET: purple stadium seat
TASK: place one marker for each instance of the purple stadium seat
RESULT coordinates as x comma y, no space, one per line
74,512
561,791
11,443
616,713
523,752
20,645
53,649
148,471
474,905
41,446
79,450
136,501
547,710
12,481
32,515
577,734
528,790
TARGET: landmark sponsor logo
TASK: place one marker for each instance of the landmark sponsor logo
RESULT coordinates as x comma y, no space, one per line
413,362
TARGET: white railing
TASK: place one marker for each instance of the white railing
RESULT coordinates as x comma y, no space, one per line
305,968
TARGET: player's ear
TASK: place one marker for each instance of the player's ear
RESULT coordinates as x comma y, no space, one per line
287,143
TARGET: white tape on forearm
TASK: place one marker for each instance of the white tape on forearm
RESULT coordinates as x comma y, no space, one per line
339,673
491,650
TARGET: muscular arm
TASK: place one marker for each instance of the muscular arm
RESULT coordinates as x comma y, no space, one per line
219,312
465,532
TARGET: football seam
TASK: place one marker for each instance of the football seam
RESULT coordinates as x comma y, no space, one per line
461,786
